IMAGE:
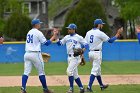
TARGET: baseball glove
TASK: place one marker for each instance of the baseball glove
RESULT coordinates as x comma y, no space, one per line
78,51
83,62
45,57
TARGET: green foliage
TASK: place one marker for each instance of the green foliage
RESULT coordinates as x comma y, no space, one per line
2,24
2,5
17,26
84,16
129,9
14,5
2,21
56,5
16,8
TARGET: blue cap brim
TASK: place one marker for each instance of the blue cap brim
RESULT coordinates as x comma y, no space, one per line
40,23
68,27
37,23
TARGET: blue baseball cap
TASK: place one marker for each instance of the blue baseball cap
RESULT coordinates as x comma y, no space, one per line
98,21
35,21
72,26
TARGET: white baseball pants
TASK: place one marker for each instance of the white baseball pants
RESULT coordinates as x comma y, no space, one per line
35,59
72,69
96,59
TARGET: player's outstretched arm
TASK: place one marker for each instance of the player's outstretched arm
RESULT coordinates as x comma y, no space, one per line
138,32
119,31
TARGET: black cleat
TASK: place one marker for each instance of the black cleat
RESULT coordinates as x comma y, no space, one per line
104,87
23,90
70,91
47,91
88,90
82,90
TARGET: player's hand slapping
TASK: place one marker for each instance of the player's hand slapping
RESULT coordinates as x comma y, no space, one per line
1,40
55,34
119,31
55,31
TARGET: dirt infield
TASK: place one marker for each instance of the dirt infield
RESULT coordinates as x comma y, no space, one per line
61,80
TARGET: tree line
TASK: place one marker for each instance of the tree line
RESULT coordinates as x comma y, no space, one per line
86,11
83,14
14,20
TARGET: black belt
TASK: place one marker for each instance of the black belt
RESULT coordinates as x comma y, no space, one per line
33,51
96,50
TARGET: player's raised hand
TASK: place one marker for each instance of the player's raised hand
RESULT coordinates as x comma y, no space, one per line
119,31
55,31
55,34
138,29
1,40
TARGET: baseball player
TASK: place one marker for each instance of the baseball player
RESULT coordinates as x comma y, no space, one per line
1,40
33,55
72,41
95,38
138,32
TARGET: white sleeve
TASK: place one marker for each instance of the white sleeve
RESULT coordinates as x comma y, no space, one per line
63,40
83,41
104,37
41,37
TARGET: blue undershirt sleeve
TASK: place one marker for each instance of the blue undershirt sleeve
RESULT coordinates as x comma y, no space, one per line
59,43
85,46
48,43
111,40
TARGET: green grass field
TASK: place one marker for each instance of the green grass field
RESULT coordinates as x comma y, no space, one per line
59,68
63,89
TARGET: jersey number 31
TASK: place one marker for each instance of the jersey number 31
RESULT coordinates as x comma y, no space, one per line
29,38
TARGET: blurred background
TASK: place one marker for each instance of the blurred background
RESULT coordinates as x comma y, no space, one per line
16,16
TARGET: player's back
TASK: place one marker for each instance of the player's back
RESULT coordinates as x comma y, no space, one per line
32,40
95,38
